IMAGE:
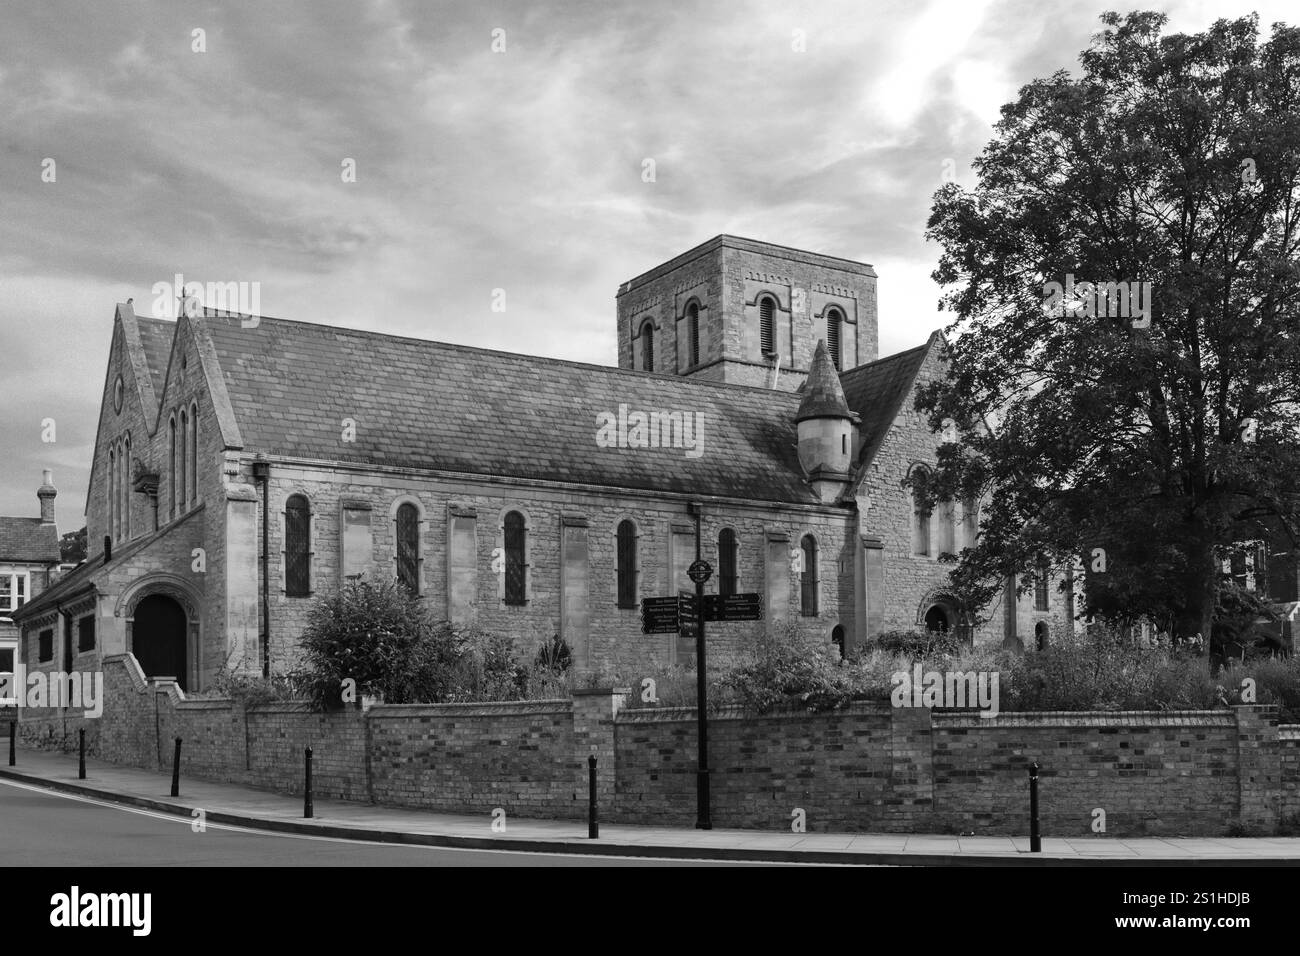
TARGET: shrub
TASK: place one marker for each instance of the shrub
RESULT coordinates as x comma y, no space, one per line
554,656
916,644
488,669
381,637
789,669
1277,681
243,683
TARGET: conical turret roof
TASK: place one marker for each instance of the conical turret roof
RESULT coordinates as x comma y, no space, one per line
823,396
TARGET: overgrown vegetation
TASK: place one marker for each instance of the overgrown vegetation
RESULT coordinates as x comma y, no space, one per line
378,640
385,641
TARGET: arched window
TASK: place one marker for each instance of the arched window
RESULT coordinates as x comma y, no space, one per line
408,546
693,332
727,577
834,322
920,514
171,466
808,577
515,535
648,346
112,492
626,564
767,324
297,547
1040,585
117,506
970,518
947,527
194,455
126,487
185,433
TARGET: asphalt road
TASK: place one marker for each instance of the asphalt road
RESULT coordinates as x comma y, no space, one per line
40,828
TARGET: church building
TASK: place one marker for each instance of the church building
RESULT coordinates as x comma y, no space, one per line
245,466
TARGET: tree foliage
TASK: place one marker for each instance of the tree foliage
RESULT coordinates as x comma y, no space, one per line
1171,160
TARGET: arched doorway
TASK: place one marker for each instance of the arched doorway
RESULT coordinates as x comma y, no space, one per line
158,638
1041,635
837,638
936,619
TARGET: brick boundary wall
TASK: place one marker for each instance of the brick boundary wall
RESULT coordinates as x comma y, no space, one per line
867,767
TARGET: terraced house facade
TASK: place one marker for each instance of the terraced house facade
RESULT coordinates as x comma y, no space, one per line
245,466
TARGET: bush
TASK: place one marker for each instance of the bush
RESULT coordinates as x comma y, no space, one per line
381,637
243,683
488,669
554,657
915,644
789,669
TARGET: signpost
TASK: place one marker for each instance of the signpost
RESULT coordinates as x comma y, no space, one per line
659,615
686,615
667,615
733,607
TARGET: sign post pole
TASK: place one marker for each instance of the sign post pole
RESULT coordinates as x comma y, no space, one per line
699,572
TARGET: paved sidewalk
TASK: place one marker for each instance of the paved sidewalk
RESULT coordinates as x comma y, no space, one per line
232,804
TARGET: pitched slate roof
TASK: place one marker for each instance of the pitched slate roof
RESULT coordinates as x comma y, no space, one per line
431,405
27,539
876,391
156,340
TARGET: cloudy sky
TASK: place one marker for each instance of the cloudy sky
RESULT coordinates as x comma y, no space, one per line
822,125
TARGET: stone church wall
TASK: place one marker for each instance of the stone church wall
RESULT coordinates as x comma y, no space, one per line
612,634
911,579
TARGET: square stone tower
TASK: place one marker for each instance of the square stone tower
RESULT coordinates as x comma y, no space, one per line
746,312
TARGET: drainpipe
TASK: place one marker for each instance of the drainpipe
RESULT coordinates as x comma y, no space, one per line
262,475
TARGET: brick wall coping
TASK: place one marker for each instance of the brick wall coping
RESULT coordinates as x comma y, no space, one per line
483,709
1078,718
206,703
287,707
650,715
599,691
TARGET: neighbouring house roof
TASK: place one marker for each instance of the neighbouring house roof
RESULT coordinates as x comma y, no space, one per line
30,540
83,577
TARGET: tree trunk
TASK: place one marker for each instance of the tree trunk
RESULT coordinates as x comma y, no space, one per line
1201,589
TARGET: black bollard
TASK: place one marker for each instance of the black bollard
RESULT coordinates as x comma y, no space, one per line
593,825
13,735
176,770
81,747
1035,841
306,794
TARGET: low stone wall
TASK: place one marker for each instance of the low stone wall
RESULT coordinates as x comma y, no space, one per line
867,767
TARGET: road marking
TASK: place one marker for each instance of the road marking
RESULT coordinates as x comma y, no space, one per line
185,821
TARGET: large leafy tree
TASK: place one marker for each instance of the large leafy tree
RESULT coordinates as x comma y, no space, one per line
1171,160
